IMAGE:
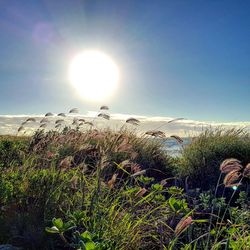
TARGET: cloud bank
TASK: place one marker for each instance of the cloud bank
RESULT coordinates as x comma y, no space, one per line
9,124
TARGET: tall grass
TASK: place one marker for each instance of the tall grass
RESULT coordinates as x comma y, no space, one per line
104,189
200,159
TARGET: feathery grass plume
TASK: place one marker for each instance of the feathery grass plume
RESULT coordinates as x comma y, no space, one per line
142,172
50,155
59,121
23,123
246,172
112,181
183,224
49,114
61,114
74,111
103,115
229,165
104,107
159,134
89,123
81,123
150,132
20,128
231,178
133,155
124,146
164,182
74,182
75,122
125,164
44,125
81,120
31,119
44,120
133,121
66,162
156,133
175,120
141,192
58,125
135,168
177,138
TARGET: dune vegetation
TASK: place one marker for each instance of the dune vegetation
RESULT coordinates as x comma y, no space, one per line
99,189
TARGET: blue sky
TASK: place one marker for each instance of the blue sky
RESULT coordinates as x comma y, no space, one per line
176,58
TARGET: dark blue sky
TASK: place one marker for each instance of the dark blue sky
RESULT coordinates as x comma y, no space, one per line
177,58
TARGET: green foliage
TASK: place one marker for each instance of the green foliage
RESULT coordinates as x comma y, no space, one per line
201,159
11,152
79,190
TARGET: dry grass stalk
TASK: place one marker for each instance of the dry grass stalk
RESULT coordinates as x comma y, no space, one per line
183,224
231,178
229,165
141,192
112,181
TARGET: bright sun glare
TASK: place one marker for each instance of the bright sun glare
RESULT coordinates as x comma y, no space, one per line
94,75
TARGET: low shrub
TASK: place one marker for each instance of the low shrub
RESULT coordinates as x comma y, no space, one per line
201,159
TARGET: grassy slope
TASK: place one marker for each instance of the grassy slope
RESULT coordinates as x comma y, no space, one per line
89,180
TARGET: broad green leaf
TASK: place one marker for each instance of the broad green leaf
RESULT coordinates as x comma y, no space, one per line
58,223
53,230
90,245
86,235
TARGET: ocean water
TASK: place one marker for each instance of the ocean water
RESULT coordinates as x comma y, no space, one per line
173,147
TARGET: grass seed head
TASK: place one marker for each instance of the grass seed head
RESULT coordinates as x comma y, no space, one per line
232,178
183,224
133,121
104,107
229,165
74,111
246,172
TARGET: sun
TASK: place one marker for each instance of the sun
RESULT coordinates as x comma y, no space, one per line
94,75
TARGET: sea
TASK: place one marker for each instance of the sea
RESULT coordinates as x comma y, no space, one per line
174,148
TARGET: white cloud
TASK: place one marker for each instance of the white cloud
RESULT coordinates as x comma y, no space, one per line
10,123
